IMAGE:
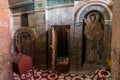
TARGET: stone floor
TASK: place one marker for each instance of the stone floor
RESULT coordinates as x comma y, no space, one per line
88,69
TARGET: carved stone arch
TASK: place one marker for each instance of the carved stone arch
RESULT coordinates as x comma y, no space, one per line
104,11
24,39
93,5
80,13
20,31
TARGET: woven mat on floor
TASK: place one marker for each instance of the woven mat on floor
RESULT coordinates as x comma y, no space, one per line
99,74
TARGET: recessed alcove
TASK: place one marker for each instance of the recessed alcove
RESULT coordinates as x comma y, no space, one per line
61,47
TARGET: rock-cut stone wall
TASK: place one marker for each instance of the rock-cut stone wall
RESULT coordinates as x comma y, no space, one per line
115,54
5,60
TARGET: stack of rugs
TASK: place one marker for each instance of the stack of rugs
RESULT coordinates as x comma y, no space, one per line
99,74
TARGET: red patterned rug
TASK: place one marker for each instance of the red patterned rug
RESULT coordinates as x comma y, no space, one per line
99,74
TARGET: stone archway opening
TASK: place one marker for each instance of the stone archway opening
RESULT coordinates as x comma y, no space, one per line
60,48
100,10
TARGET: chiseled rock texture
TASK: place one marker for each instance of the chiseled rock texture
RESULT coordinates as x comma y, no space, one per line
5,61
116,41
5,67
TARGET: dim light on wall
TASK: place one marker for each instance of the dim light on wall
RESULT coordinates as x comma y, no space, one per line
111,3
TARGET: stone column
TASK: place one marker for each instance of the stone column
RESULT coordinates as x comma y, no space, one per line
53,50
41,34
115,54
5,58
5,67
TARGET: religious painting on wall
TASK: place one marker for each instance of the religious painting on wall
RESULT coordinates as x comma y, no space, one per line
93,38
24,41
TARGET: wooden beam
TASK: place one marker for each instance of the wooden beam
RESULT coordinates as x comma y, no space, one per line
53,49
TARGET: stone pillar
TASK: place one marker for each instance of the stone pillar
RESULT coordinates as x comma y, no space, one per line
5,67
41,33
5,60
115,54
53,50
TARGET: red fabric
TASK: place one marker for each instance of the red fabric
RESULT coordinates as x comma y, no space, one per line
25,64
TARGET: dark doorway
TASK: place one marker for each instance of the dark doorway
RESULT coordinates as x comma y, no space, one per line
62,42
24,20
62,48
62,36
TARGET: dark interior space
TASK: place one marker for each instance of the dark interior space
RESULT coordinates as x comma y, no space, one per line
62,49
62,42
24,20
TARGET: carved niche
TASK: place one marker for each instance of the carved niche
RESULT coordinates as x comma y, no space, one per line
24,38
93,40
